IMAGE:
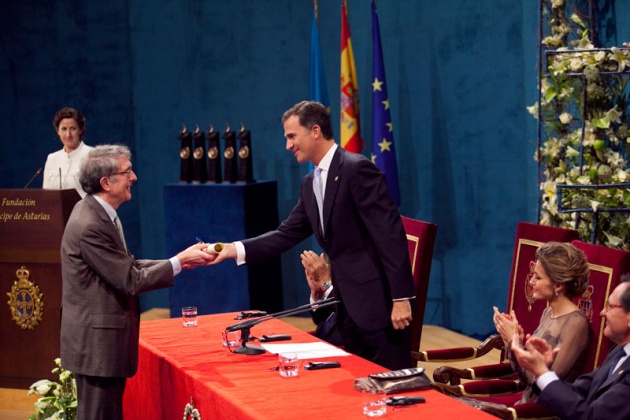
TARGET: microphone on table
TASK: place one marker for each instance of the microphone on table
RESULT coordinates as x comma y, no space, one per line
245,326
60,186
37,172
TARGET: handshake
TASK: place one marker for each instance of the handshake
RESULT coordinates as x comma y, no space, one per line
201,254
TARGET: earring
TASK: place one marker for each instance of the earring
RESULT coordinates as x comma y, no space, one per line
556,292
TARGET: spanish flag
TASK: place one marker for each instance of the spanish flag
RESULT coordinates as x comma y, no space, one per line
350,127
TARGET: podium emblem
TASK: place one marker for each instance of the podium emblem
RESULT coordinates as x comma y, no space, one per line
25,301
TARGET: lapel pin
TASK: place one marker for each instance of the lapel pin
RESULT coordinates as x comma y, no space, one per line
337,178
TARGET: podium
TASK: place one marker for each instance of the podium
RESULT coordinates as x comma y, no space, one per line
222,213
32,222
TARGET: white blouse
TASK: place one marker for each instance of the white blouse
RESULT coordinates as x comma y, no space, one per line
61,171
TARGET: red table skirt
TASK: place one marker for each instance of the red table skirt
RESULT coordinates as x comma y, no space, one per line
177,364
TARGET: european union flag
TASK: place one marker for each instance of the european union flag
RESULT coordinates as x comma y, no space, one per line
383,151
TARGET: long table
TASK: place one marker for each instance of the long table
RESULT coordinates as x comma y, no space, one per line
177,364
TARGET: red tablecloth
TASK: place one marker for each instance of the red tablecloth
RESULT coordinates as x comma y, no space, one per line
178,363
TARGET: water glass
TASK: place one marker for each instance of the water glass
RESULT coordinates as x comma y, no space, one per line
231,339
189,315
288,365
374,403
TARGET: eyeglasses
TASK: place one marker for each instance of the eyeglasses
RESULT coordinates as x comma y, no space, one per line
127,172
610,306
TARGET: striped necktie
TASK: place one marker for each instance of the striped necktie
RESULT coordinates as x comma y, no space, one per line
121,233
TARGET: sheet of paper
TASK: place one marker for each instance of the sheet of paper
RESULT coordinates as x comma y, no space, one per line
306,350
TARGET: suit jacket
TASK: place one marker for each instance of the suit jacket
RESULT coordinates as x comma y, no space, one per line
363,236
101,282
592,396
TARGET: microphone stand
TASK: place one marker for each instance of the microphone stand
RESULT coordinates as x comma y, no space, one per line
37,172
245,326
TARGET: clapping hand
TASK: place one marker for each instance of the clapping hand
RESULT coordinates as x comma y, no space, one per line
507,325
317,272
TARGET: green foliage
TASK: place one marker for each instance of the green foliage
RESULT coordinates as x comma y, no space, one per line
584,126
58,400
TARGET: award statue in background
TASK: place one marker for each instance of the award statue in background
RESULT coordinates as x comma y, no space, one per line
214,157
186,159
200,167
229,155
245,172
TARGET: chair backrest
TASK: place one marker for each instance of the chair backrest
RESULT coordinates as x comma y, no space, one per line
420,240
607,266
529,237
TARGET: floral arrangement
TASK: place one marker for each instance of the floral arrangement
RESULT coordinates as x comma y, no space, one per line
584,138
58,399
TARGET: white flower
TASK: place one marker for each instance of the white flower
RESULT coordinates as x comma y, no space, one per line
614,115
571,152
613,241
565,118
576,64
42,404
594,205
584,180
621,57
533,110
557,3
40,387
614,158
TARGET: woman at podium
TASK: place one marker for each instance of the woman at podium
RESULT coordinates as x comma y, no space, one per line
62,168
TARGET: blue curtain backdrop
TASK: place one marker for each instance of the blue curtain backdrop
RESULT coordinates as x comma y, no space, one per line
459,76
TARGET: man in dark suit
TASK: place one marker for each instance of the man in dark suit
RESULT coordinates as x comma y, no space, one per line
601,394
358,227
101,283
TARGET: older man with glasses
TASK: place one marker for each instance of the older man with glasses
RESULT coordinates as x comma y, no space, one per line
603,393
100,319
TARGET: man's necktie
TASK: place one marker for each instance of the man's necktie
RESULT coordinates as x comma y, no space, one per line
319,195
119,228
616,360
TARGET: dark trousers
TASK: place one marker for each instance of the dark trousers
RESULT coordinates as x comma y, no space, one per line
387,347
100,398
